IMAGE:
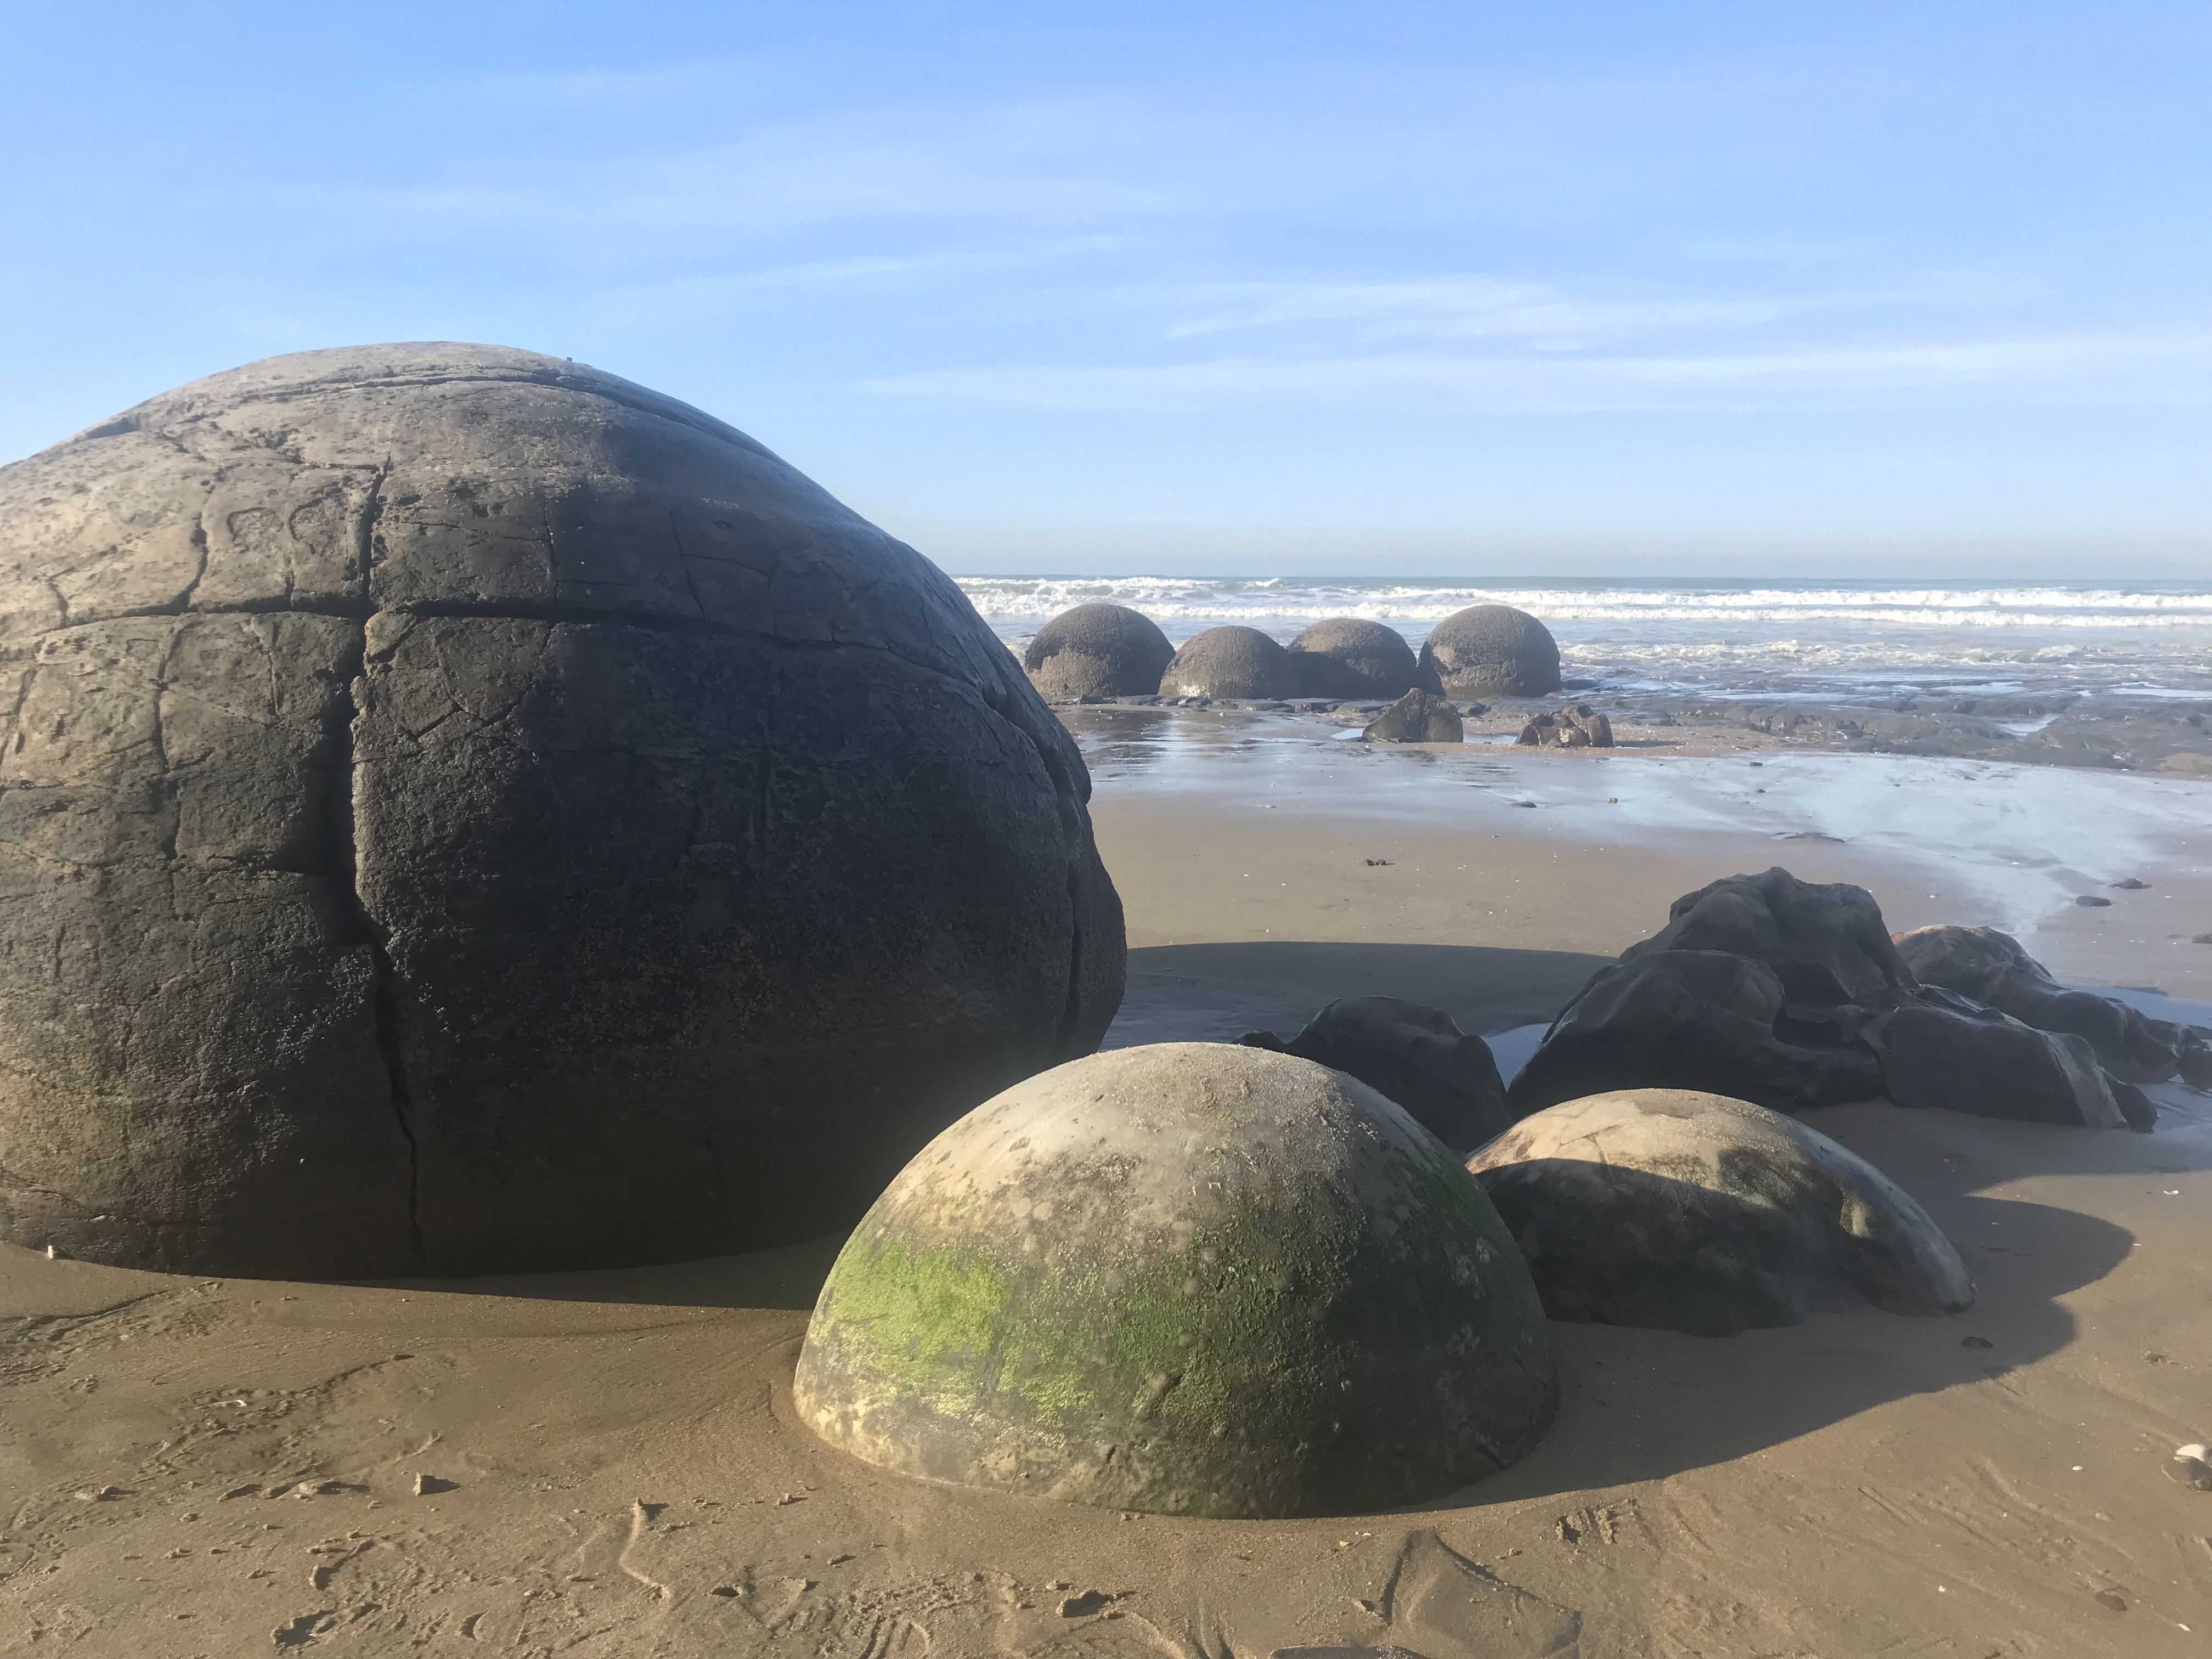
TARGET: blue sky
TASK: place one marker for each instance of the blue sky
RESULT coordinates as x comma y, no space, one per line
1872,290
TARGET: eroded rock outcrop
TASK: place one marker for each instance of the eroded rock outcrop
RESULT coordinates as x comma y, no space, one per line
1415,1055
1691,1212
460,810
1991,968
1577,725
1790,993
1194,1278
1417,717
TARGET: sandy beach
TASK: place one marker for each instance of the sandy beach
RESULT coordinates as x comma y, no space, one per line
607,1463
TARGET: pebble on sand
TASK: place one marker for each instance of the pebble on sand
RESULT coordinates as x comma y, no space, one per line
2192,1465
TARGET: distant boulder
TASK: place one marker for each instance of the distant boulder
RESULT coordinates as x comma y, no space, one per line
1417,717
1694,1213
1230,662
1446,1078
1490,651
1098,650
1577,726
1352,657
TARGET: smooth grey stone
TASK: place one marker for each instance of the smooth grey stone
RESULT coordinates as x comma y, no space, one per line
1191,1278
1233,661
1352,657
1417,717
461,812
1097,650
1695,1212
1414,1055
1490,651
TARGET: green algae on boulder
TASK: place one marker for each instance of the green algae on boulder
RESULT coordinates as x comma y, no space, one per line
1190,1279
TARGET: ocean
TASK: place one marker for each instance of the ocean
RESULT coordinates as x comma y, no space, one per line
1819,640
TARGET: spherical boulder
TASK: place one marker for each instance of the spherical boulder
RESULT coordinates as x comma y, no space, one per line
460,812
1490,651
1695,1212
1098,650
1352,657
1230,662
1192,1279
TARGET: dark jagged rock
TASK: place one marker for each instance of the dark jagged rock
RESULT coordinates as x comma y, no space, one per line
1693,1213
1098,651
1417,717
1577,726
1992,968
1416,1055
1709,1021
463,812
1822,1009
1943,1050
1490,651
1192,1279
1234,661
1351,656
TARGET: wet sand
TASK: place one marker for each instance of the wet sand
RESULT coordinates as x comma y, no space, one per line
625,1477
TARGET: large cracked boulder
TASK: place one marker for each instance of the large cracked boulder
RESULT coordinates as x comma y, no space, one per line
1693,1213
1098,651
1231,661
1490,651
461,812
1192,1279
1415,1055
1352,657
1792,995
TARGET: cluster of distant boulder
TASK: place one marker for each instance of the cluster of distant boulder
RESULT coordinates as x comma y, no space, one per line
1111,651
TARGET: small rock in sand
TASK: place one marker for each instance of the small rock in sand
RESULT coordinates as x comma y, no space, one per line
427,1485
2092,901
1417,717
2131,885
2192,1465
1083,1606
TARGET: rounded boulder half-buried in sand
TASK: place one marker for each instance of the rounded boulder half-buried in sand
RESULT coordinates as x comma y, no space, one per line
1192,1279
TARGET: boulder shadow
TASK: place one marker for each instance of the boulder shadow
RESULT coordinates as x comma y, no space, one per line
1641,1405
788,1278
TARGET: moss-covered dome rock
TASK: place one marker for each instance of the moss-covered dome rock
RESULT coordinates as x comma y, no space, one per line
1191,1278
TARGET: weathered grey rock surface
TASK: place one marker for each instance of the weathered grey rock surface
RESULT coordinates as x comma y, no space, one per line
1416,1055
1694,1213
1098,651
1991,968
461,811
1417,717
1789,994
1194,1278
1490,651
1231,661
1352,657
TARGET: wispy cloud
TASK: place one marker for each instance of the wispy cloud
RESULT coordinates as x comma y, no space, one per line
2161,368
